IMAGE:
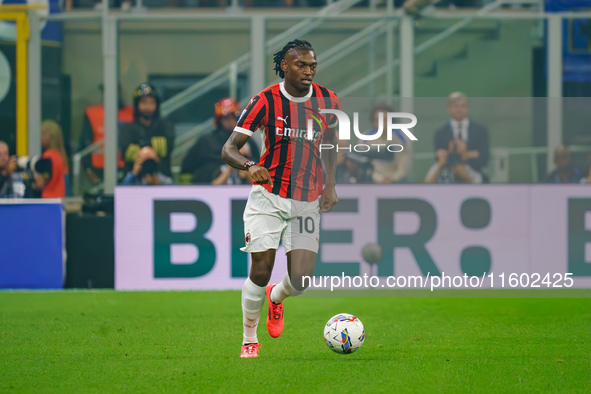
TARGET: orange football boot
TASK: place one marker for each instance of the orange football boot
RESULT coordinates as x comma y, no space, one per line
250,350
275,315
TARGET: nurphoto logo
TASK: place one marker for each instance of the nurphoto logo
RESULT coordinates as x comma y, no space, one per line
345,130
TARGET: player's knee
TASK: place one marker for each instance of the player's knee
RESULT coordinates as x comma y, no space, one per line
260,274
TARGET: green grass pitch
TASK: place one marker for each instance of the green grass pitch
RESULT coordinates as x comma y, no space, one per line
106,341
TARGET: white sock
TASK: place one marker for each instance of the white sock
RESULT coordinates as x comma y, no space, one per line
253,297
283,290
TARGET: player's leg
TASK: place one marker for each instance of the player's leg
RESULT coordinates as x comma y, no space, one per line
300,264
300,268
263,230
253,298
300,240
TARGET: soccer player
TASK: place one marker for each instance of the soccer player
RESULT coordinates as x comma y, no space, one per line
283,203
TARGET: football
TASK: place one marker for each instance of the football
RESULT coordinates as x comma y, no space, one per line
372,253
344,333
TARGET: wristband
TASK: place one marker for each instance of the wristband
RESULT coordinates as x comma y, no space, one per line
248,164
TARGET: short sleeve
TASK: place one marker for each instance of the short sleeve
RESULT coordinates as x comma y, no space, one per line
252,116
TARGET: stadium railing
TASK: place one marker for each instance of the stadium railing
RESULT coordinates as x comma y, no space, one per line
500,162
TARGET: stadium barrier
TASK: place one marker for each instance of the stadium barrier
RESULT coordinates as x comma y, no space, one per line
32,239
91,251
189,237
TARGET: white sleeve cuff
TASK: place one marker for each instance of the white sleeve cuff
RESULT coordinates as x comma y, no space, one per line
243,131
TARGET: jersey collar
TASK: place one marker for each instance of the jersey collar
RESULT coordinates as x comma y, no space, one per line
294,99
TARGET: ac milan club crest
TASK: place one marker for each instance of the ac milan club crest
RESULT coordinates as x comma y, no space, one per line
247,238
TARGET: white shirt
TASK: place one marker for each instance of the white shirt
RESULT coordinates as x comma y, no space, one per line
460,129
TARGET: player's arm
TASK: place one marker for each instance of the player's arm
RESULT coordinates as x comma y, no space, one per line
232,156
329,194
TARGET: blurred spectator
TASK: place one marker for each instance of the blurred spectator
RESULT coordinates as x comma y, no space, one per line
96,4
7,167
351,167
7,134
93,131
588,179
461,128
270,3
565,171
388,167
148,129
232,176
146,170
449,167
52,170
414,7
204,161
11,181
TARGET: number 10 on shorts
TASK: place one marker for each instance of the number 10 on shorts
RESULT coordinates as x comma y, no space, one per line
306,224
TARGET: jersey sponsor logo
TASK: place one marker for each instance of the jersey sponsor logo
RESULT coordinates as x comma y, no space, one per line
308,134
297,134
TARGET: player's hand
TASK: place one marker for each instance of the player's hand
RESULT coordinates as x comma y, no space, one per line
329,199
260,175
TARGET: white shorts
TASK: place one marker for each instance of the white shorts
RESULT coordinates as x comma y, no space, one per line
270,219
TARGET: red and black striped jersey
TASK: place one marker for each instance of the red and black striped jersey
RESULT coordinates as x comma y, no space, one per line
292,130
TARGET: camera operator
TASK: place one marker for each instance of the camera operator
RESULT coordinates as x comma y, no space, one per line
146,170
12,184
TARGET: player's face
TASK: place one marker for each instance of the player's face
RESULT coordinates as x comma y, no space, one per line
147,106
458,109
299,67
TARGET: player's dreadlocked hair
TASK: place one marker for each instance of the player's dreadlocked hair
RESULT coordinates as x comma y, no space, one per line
278,57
